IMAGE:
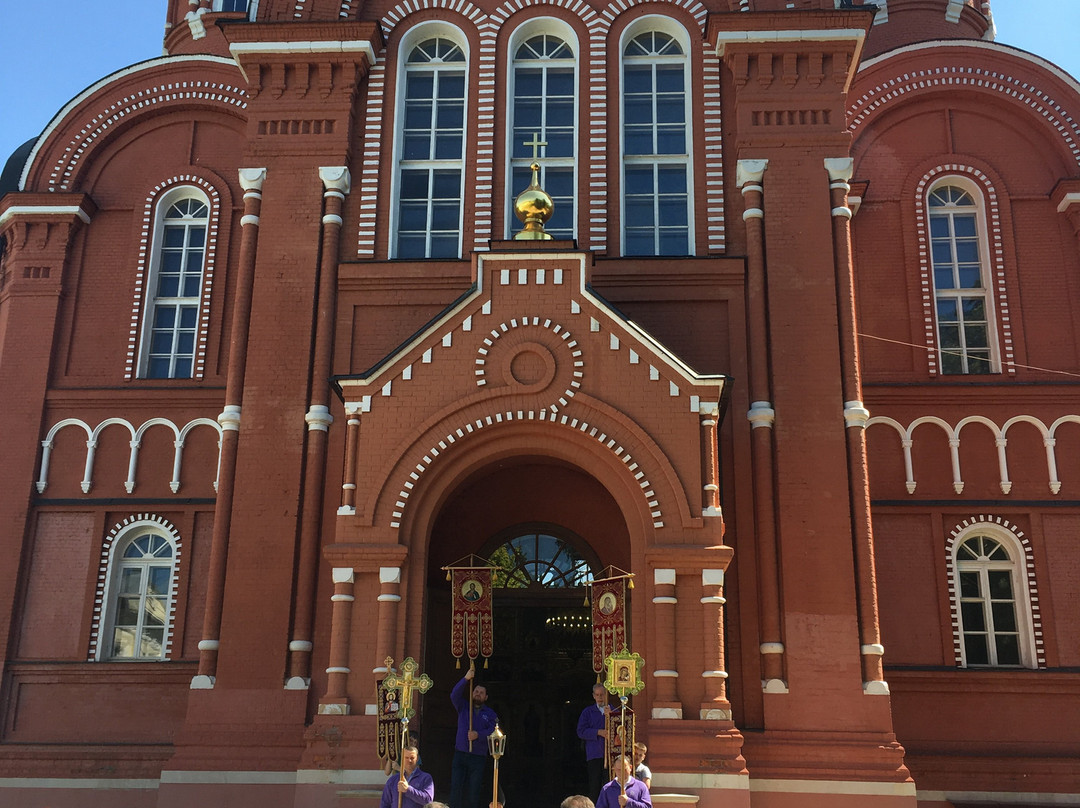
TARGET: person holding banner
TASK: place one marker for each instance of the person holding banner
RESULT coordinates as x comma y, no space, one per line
475,722
590,728
409,788
625,791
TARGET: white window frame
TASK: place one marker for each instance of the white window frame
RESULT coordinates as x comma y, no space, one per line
171,197
535,27
986,290
1021,591
409,41
116,565
667,26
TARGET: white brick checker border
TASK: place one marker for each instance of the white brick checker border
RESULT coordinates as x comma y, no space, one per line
1027,569
146,238
101,589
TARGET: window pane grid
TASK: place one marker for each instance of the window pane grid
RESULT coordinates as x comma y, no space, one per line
990,629
174,313
141,608
544,107
656,199
431,167
963,320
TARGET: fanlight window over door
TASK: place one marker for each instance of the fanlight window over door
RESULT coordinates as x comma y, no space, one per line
532,559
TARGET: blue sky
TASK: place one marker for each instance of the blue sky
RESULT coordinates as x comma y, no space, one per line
44,64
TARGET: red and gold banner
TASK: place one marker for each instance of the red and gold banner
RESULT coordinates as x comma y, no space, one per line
471,631
608,618
620,729
389,727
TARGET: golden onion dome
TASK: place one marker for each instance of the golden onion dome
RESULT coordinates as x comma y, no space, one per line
533,207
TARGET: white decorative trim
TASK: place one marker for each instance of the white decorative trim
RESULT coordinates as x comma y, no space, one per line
172,92
135,442
663,577
300,645
251,180
855,414
712,577
318,418
952,434
1067,201
43,210
777,36
389,575
106,563
876,687
761,414
933,80
345,575
873,649
666,674
229,419
750,172
143,294
336,178
667,714
1025,570
771,648
547,414
996,291
209,645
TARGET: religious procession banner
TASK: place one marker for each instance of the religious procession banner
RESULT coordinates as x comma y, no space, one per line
389,725
471,627
609,614
619,724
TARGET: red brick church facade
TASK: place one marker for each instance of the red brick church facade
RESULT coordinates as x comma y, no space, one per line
271,359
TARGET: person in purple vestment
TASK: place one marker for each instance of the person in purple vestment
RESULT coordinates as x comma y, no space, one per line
416,788
470,747
590,728
625,791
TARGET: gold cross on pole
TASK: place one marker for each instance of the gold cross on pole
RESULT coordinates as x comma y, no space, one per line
407,681
536,143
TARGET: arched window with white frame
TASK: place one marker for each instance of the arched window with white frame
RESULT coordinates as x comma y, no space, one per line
171,319
964,310
138,599
431,145
992,600
656,176
544,111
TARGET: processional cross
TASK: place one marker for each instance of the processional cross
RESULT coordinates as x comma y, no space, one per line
407,681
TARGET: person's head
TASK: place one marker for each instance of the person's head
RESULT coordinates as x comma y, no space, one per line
479,694
436,805
577,801
409,756
599,694
626,767
639,752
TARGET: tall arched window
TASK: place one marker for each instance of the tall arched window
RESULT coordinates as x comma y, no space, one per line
171,321
656,146
431,148
964,309
992,602
139,603
544,110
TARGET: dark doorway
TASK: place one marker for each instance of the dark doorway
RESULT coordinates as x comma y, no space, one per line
538,682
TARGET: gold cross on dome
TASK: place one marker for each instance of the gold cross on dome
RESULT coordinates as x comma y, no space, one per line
536,143
407,681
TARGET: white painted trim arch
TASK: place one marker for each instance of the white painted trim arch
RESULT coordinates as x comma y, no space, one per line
1029,615
134,442
1001,441
102,591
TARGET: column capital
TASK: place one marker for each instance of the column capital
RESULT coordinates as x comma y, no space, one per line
343,575
335,178
840,168
750,171
251,179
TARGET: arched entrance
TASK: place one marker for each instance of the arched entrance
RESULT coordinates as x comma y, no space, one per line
551,526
